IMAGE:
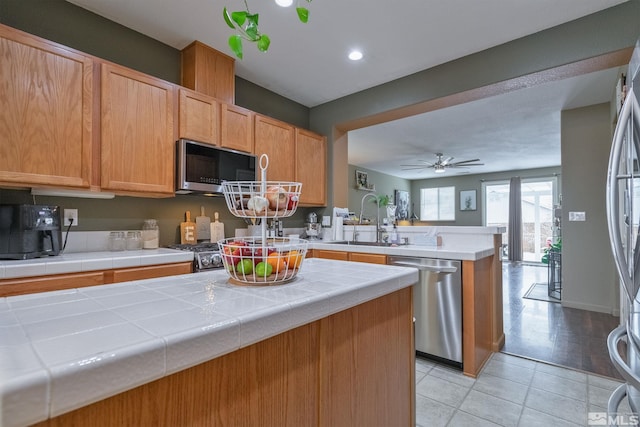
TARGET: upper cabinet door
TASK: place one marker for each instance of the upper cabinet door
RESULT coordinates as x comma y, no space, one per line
311,167
276,139
46,94
137,133
208,71
199,117
236,128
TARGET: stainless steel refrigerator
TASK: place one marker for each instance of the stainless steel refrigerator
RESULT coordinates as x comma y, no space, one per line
623,216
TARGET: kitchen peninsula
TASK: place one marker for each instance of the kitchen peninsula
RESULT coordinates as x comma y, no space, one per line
334,346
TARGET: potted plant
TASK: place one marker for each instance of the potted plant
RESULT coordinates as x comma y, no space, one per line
554,247
383,200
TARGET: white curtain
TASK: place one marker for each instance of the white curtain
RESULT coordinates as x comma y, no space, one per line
515,220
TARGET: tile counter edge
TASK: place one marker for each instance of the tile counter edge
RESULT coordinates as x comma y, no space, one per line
51,365
90,261
468,253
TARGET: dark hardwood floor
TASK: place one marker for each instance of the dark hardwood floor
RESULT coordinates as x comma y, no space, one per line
548,332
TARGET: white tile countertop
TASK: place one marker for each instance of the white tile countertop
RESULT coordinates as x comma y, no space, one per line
87,261
66,349
104,260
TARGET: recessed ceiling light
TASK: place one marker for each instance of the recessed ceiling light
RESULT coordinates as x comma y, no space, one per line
355,55
284,3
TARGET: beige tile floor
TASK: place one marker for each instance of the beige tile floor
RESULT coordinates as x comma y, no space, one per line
510,391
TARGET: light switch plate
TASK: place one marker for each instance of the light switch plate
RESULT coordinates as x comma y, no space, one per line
577,216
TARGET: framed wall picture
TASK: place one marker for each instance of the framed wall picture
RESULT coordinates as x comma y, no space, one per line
468,200
362,181
401,200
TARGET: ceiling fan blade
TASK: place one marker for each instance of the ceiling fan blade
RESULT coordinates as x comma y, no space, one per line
466,161
424,165
464,166
413,167
446,161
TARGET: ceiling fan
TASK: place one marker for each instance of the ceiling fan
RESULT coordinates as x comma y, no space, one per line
441,164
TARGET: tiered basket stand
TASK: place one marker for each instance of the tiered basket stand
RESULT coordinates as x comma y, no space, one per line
262,260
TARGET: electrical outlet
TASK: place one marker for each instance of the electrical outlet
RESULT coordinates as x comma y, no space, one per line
70,214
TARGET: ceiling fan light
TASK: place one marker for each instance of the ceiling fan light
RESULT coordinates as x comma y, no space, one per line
284,3
438,169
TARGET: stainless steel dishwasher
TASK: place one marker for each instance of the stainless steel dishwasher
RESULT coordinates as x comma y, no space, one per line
437,307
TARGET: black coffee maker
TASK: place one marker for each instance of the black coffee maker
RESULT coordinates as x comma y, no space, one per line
29,231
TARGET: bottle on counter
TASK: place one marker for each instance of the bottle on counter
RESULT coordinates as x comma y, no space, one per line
394,235
150,234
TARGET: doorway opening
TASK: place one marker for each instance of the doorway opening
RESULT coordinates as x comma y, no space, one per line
539,198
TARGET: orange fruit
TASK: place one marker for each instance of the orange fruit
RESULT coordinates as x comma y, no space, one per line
276,261
294,259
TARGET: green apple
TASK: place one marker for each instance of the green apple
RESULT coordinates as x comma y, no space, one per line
263,269
245,266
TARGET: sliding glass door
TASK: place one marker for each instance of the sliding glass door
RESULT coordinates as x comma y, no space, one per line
538,200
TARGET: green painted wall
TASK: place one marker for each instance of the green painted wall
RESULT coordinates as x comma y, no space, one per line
384,185
70,25
588,276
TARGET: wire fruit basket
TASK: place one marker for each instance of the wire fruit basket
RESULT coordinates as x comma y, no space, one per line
249,260
262,199
262,260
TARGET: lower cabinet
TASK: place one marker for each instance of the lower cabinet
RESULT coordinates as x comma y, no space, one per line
350,256
32,285
353,368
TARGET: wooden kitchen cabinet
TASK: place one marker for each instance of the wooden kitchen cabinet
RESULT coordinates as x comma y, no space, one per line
276,139
147,272
137,155
337,255
198,117
57,282
208,71
350,256
46,93
370,258
236,128
311,167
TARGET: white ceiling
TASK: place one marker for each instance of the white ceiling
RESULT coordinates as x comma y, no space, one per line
307,63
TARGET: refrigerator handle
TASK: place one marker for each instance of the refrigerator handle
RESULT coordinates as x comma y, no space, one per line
614,402
630,112
612,343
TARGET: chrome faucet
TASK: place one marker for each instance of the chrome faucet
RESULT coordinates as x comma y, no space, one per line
377,214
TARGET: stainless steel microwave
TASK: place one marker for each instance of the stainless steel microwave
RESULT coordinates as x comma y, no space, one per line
201,168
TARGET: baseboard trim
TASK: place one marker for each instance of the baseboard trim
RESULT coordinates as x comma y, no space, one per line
588,307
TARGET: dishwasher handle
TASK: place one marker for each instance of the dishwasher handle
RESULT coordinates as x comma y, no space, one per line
435,269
